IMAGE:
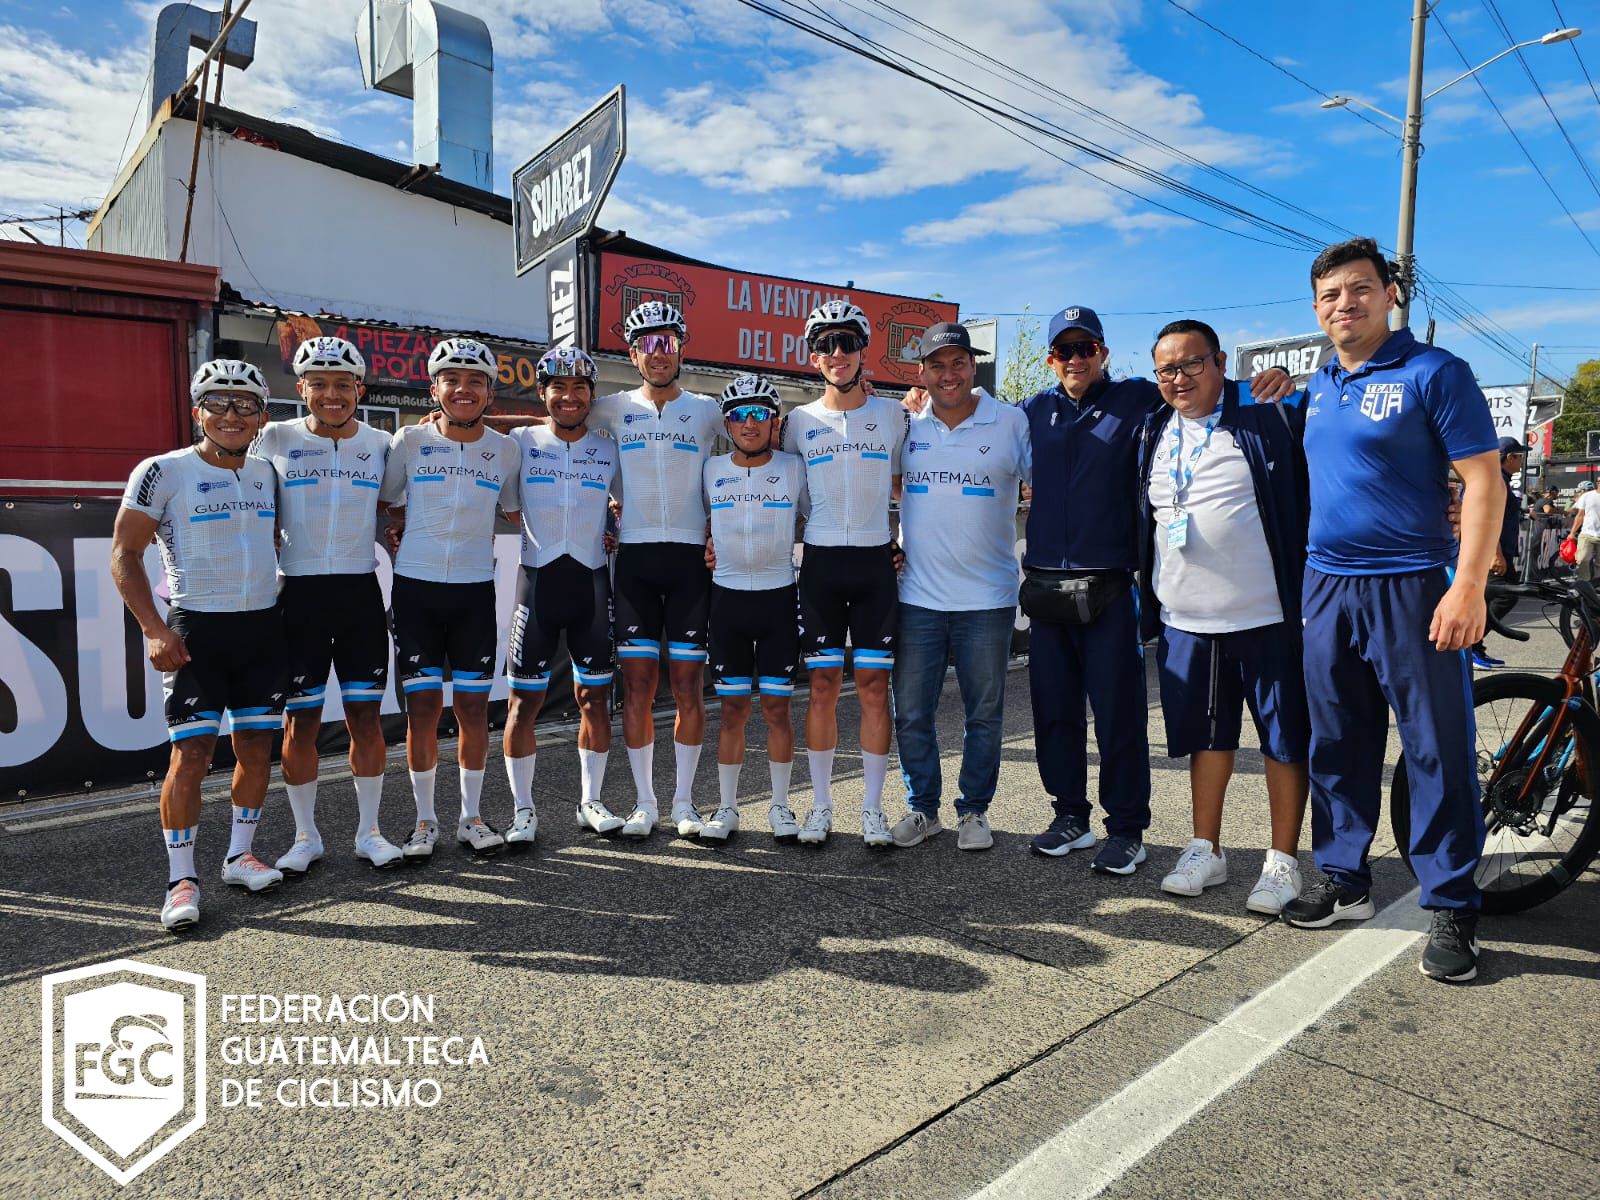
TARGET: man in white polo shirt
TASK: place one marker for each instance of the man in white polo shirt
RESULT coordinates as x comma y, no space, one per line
966,459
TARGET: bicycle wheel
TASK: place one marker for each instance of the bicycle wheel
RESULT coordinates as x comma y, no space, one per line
1537,844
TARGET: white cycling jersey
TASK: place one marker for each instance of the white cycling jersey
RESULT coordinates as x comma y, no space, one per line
216,529
753,512
565,490
450,491
661,454
851,460
327,496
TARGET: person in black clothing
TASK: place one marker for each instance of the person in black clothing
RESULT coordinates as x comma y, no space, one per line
1512,456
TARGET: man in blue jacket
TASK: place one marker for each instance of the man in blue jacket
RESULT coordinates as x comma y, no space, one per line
1078,591
1386,625
1222,542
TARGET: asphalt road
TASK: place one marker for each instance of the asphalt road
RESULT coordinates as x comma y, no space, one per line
671,1020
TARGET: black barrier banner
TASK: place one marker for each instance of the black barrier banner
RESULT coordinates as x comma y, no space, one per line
1541,546
80,705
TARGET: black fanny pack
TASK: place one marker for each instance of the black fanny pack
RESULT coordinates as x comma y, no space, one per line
1068,597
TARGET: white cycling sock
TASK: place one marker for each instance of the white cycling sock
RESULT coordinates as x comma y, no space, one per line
303,803
728,784
688,759
592,770
821,763
471,790
369,793
180,853
643,763
780,781
245,821
422,789
520,772
874,770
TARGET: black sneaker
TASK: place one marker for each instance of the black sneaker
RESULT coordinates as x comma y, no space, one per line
1065,834
1326,902
1119,856
1452,953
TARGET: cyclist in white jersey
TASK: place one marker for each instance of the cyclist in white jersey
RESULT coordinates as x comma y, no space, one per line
221,647
567,476
330,469
755,495
443,485
850,442
664,435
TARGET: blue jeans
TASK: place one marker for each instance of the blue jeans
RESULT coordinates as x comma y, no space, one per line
980,642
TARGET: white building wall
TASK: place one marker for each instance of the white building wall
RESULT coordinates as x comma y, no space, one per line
301,235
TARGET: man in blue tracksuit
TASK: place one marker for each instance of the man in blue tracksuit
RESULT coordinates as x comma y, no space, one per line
1082,551
1385,625
1222,524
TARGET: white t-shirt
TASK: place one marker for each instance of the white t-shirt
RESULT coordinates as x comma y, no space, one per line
1589,505
1220,580
327,496
566,489
851,457
958,508
450,491
753,511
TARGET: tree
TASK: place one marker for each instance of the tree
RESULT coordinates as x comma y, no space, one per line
1026,371
1581,412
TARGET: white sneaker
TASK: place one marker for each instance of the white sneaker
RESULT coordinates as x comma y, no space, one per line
377,849
641,823
687,818
1280,883
182,907
819,823
1199,867
479,836
524,828
596,816
420,844
875,829
299,857
724,822
248,871
915,828
784,827
973,833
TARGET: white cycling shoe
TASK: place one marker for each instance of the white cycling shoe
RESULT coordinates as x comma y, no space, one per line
479,836
378,850
524,828
596,816
248,871
724,822
299,857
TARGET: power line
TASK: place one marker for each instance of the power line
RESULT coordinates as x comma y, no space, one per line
1162,312
1511,40
1534,287
1277,66
1576,53
1445,29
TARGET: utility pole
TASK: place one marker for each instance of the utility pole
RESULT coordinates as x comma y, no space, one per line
1526,521
1410,150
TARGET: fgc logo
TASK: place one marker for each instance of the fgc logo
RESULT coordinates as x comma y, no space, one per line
813,434
209,486
124,1069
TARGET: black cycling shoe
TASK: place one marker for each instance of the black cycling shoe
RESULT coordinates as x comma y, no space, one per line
1452,952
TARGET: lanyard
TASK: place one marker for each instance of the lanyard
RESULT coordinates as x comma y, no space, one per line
1181,478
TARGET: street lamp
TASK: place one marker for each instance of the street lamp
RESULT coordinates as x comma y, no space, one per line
1411,139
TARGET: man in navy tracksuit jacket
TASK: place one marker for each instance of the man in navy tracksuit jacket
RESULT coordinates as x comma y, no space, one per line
1084,435
1385,624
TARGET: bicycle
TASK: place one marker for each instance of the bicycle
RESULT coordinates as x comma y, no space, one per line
1538,755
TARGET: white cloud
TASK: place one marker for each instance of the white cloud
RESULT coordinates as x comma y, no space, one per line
677,225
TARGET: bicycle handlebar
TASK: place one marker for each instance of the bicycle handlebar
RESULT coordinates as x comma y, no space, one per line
1569,592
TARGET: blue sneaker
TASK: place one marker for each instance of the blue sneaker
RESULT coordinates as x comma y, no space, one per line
1064,835
1119,856
1485,661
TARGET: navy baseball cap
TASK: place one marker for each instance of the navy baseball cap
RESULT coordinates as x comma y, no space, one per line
1075,318
945,333
1511,446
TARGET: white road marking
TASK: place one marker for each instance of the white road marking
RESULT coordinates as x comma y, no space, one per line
1099,1147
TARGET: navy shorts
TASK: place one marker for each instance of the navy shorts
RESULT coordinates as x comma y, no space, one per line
1207,679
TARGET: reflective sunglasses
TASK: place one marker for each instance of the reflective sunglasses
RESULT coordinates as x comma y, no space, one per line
749,412
658,343
838,341
1189,368
246,406
1067,351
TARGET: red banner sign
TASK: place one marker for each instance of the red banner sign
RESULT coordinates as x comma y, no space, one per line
399,357
758,321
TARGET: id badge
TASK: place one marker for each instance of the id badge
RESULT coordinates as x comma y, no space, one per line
1178,531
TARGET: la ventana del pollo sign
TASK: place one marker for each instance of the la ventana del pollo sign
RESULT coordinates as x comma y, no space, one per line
758,321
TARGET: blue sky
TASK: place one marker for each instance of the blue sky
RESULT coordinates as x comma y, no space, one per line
758,146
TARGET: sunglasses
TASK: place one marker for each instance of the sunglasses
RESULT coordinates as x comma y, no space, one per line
244,407
749,412
658,343
1067,351
840,341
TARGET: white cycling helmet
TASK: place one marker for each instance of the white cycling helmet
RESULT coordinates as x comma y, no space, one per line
464,353
838,314
654,314
566,362
227,375
329,354
750,389
1586,486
